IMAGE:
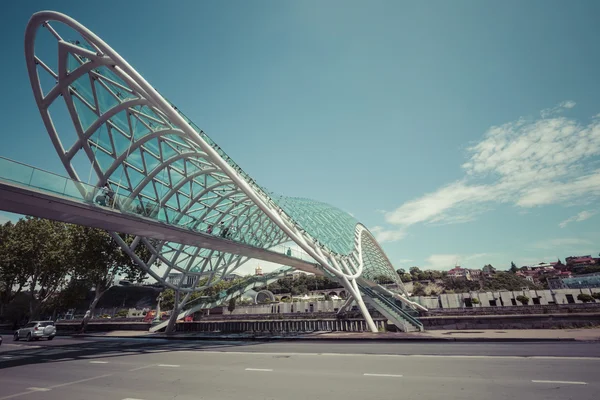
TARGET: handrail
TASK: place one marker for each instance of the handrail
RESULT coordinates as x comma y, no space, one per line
392,306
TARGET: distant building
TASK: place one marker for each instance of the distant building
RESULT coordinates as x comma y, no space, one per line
582,281
475,273
175,278
258,270
488,270
459,273
297,273
230,277
577,263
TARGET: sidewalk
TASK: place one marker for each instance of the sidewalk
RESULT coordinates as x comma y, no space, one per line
515,335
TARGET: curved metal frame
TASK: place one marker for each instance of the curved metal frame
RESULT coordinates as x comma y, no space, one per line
93,73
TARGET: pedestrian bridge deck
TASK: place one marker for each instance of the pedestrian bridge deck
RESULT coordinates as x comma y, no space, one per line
31,191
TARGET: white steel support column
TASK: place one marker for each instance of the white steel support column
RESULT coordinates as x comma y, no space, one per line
174,314
352,287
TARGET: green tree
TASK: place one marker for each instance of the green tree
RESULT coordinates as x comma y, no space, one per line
418,289
401,271
415,271
12,277
513,268
231,305
100,261
382,279
523,299
406,277
41,250
584,297
69,297
596,295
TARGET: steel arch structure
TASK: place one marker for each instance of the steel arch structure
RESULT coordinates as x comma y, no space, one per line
153,156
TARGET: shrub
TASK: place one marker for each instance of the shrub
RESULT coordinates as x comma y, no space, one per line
586,298
474,300
596,295
523,299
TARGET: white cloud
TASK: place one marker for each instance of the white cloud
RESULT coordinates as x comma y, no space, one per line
441,262
562,242
526,163
386,235
565,105
582,216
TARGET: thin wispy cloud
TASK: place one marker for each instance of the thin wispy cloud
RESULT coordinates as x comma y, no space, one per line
526,163
388,235
582,216
562,242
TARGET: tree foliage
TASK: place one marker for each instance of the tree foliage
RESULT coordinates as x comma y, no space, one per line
584,297
57,263
231,305
303,284
37,257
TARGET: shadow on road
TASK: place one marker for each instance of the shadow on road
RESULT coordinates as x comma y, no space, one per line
106,348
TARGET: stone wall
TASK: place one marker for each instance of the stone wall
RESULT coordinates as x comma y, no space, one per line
503,298
530,321
73,327
517,310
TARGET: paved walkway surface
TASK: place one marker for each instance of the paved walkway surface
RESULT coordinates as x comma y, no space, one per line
441,335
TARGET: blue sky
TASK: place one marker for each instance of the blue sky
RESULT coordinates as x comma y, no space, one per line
463,131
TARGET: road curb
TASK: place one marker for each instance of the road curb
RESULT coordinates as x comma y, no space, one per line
337,339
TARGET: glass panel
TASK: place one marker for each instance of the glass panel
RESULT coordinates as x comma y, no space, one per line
15,172
101,139
48,181
83,86
86,116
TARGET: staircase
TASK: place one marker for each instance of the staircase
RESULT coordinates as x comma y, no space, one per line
251,283
393,311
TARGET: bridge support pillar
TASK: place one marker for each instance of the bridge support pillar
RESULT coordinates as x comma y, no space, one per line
352,287
174,314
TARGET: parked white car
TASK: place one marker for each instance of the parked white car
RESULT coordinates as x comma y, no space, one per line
36,330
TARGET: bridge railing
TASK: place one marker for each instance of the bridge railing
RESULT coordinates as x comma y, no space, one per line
29,176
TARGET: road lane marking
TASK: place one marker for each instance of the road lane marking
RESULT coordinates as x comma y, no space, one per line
98,362
12,396
252,353
384,375
168,365
7,357
80,381
561,382
39,389
142,367
131,398
259,369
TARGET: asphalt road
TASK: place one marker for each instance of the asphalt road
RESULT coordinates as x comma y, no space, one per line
156,369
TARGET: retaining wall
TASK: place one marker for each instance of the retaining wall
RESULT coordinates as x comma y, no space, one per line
529,321
69,327
326,325
518,310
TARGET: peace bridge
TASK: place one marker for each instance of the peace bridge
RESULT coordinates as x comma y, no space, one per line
156,175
